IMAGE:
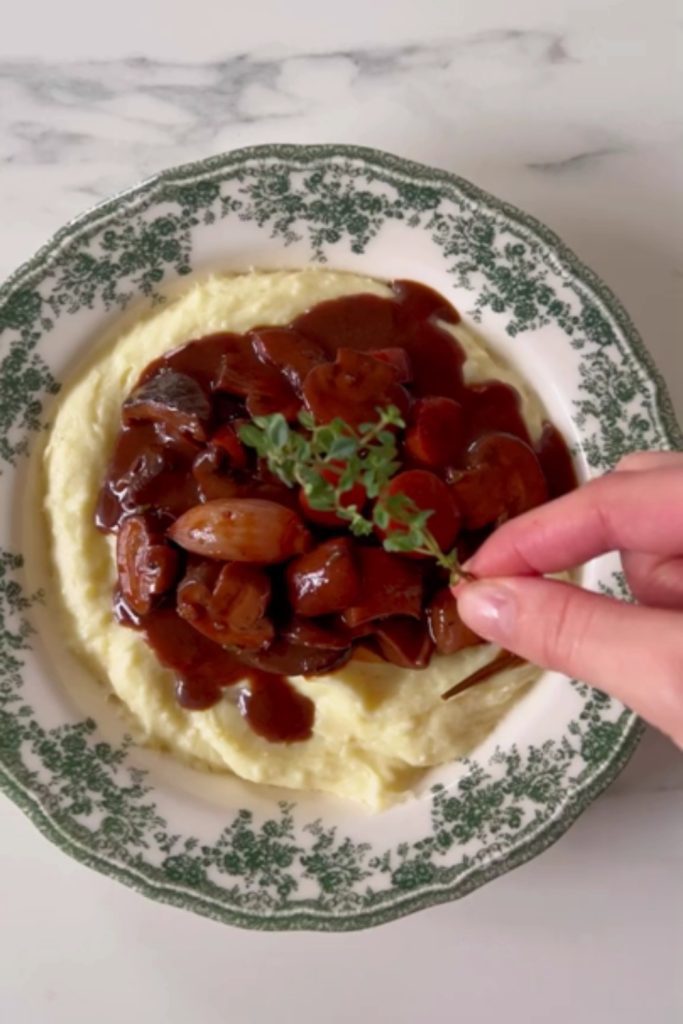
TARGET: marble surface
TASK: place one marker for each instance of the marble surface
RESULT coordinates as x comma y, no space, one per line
568,110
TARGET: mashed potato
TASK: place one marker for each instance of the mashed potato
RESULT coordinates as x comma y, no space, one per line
377,727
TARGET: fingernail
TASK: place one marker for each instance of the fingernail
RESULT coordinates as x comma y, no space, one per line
489,609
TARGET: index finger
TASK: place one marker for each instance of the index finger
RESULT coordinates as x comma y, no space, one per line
633,511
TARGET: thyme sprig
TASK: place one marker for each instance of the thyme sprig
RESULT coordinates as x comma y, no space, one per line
328,460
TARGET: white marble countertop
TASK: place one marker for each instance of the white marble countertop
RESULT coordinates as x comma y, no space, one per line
568,110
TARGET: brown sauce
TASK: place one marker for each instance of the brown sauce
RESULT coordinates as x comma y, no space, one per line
178,447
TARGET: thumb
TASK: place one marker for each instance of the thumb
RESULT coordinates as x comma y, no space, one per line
633,653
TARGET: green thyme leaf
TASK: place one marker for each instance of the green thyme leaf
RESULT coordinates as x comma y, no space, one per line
250,435
342,448
360,527
392,414
381,517
399,542
277,430
399,507
306,419
350,475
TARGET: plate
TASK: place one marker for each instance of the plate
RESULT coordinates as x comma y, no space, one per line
254,856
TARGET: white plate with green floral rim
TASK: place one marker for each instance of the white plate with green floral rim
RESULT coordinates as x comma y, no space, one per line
255,857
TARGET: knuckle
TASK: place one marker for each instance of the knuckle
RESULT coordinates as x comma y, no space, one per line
654,580
569,623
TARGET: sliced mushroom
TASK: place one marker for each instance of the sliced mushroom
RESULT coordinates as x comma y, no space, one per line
289,352
172,399
404,642
227,604
435,437
324,580
147,566
427,492
503,478
389,586
449,632
353,388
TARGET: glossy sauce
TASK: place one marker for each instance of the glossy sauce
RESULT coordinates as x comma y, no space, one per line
160,470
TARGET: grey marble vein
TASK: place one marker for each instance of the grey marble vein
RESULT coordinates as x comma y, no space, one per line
51,112
576,161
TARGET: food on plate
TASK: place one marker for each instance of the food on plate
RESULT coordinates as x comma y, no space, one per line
257,498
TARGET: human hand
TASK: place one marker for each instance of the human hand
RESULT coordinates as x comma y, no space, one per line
632,651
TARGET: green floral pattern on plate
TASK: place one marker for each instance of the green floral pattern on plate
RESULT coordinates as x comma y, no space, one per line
282,872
